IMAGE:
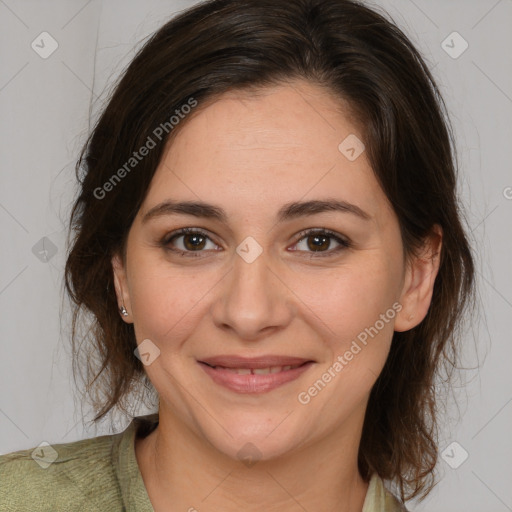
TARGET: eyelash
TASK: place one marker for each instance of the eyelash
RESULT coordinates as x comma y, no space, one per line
344,243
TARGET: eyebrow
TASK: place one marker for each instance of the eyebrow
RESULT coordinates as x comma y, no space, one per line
288,211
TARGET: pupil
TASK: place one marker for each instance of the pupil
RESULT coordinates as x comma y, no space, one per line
322,245
194,244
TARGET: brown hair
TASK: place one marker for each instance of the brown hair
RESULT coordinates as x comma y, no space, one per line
365,61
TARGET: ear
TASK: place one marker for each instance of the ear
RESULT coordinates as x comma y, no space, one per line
420,275
120,283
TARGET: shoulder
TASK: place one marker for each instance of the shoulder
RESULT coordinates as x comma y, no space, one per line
67,476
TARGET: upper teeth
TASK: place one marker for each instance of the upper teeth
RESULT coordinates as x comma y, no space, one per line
260,371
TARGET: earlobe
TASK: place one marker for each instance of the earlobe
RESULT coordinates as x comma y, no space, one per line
421,273
121,287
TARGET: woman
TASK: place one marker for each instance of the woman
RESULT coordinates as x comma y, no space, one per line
267,235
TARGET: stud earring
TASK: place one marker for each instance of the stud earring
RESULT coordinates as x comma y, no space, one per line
123,311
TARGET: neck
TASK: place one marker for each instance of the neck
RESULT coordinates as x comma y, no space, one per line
182,471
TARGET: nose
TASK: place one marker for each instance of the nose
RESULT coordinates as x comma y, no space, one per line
253,300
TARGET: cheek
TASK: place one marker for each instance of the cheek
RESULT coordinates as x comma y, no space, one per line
167,301
351,298
355,309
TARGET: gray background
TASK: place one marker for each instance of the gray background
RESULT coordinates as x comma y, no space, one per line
45,107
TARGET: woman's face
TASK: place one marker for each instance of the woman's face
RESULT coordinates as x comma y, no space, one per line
252,290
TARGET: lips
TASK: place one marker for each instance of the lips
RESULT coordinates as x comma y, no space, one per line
258,371
254,375
253,362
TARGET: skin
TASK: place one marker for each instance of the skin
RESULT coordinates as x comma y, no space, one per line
250,154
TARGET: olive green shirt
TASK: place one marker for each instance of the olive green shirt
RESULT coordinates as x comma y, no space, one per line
102,474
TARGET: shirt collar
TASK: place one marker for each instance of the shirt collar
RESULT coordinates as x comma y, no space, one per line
379,499
133,491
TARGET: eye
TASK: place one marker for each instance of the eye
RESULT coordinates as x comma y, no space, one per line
318,241
193,240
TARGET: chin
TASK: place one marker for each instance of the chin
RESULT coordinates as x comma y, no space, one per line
254,436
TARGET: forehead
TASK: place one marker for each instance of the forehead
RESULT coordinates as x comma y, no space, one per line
281,142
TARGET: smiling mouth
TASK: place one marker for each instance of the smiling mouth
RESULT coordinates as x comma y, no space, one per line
257,375
257,371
